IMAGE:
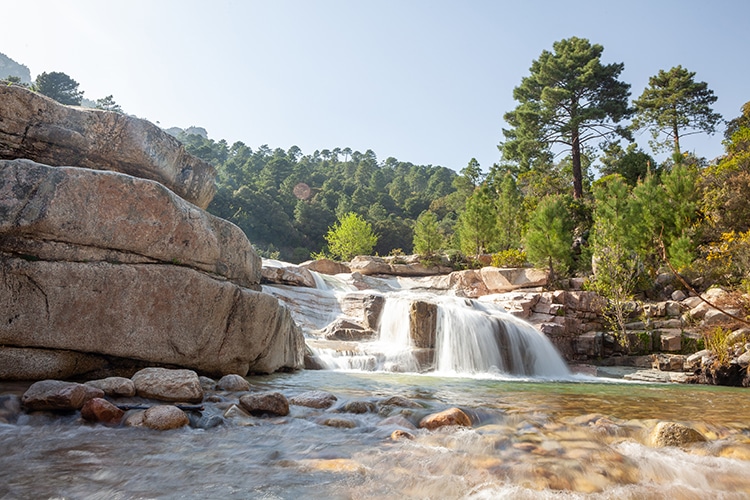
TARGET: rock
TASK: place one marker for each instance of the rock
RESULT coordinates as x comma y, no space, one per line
134,418
233,382
268,403
25,363
423,324
207,383
671,340
498,280
314,399
76,214
679,295
400,434
394,266
54,395
38,128
695,360
712,295
325,266
164,417
744,359
114,386
674,434
400,401
669,362
152,313
238,415
467,283
168,385
10,408
101,410
451,416
282,274
716,317
369,265
364,307
344,329
358,407
339,423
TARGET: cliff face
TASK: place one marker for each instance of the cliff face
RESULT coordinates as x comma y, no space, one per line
103,272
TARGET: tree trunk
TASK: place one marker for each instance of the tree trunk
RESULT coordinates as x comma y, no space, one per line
577,172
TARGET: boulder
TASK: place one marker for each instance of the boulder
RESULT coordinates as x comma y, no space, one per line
233,382
164,417
423,324
101,410
267,403
161,314
326,266
74,214
343,329
26,363
38,128
168,385
281,274
114,386
358,406
499,280
451,416
364,307
674,434
57,395
314,399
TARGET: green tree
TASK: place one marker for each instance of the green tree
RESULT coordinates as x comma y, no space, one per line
477,224
59,87
351,236
549,237
675,105
569,99
108,103
631,163
427,237
509,213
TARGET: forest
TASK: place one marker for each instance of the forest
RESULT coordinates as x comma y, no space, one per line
571,191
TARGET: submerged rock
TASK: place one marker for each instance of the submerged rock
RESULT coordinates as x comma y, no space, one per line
314,399
233,382
267,403
451,416
114,386
57,395
674,434
164,417
101,410
168,385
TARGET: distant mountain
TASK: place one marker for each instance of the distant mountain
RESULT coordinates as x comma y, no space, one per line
9,67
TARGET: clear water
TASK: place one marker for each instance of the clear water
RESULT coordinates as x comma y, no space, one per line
530,439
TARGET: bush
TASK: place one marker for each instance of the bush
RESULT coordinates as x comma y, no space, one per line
509,258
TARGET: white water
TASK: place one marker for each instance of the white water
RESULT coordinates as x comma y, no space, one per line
472,338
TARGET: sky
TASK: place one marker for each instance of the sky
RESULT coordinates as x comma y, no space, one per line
423,81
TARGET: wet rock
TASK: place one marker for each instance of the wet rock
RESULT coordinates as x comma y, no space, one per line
134,418
669,362
400,401
114,386
364,307
267,403
233,383
26,363
674,434
423,324
238,416
55,395
164,417
207,383
343,329
451,416
286,274
101,410
339,423
399,435
168,385
314,399
198,421
326,266
358,407
396,421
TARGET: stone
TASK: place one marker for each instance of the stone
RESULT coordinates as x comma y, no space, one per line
168,385
673,309
339,423
282,274
669,362
716,317
326,266
153,313
358,406
679,295
54,395
314,399
344,329
101,410
36,127
498,280
396,421
744,359
674,434
164,418
423,324
400,401
10,408
369,265
114,386
77,214
134,418
233,383
451,416
400,434
395,266
268,403
670,340
207,383
28,363
467,283
364,307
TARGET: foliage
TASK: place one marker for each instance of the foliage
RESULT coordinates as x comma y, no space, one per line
674,105
59,87
728,260
631,163
509,213
549,237
351,236
476,226
718,342
569,99
427,237
108,103
509,258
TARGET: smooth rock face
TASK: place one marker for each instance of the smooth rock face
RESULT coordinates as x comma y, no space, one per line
164,314
168,385
164,417
38,128
326,266
101,410
23,363
267,403
78,214
57,395
232,382
114,386
314,399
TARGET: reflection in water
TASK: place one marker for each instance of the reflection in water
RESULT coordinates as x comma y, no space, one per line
529,440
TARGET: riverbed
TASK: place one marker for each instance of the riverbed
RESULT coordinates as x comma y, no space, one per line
530,438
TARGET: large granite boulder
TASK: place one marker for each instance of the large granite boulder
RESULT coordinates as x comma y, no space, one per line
38,128
75,214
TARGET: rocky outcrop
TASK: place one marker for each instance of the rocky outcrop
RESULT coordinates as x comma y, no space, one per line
395,266
74,214
35,127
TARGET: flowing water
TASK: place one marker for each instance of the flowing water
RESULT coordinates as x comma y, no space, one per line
530,439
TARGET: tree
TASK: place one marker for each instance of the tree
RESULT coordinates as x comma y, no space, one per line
549,237
509,213
631,163
675,105
108,103
351,236
569,99
59,87
477,224
427,237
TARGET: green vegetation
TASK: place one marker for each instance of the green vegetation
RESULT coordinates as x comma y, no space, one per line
350,236
59,87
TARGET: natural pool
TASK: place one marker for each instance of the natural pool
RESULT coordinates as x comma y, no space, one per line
530,439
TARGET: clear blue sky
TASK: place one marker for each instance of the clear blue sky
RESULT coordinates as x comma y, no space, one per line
425,81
